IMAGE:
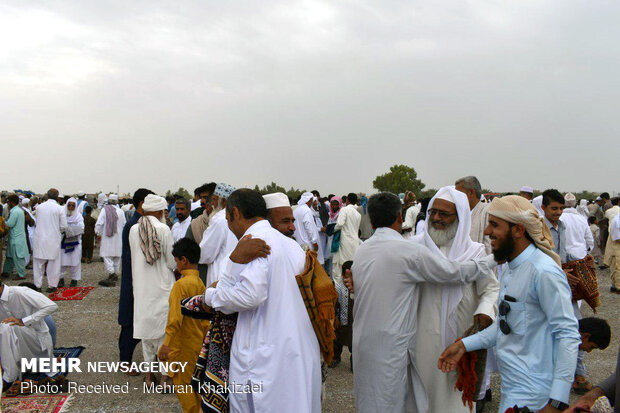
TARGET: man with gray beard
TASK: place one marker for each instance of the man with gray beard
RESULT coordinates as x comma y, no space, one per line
445,311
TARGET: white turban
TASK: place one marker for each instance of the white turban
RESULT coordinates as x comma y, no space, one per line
570,199
81,194
113,197
518,210
25,201
305,197
102,200
276,200
446,194
153,203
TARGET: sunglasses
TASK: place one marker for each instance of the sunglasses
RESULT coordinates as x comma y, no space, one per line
504,309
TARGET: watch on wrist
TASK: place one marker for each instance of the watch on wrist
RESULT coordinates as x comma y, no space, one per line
558,404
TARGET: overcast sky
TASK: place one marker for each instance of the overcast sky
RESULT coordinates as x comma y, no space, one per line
311,94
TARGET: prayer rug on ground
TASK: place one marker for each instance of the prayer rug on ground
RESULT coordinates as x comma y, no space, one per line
70,293
60,352
43,403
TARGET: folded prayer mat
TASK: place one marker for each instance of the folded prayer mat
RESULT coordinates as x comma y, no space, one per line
587,289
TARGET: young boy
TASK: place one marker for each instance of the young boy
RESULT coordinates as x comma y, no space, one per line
595,334
88,238
184,335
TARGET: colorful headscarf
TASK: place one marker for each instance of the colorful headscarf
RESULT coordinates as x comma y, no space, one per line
333,215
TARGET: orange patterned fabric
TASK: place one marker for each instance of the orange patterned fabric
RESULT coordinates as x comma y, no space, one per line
587,289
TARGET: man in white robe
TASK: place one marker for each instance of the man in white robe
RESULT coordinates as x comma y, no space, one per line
445,312
348,224
179,229
51,223
28,211
23,332
274,344
577,234
387,271
152,266
109,227
81,202
217,240
306,232
71,259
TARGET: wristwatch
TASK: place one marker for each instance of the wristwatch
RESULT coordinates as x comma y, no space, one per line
558,404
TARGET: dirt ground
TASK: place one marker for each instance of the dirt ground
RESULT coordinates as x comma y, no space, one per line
92,323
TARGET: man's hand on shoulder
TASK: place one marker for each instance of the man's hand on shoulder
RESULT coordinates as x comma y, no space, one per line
248,249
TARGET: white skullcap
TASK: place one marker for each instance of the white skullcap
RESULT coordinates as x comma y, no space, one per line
81,193
527,189
446,196
305,197
25,201
276,200
570,197
113,197
598,198
153,203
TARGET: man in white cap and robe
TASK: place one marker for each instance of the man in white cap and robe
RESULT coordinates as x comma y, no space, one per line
445,311
348,223
217,240
579,239
81,202
280,213
306,232
152,266
527,192
51,224
71,259
109,227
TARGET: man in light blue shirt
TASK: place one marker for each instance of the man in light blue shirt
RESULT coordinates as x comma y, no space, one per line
537,334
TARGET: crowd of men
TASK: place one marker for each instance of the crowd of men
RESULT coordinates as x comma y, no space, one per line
211,281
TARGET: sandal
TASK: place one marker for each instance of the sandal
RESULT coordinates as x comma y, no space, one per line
14,390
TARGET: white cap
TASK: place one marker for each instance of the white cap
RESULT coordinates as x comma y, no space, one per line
276,200
113,197
25,201
81,193
527,189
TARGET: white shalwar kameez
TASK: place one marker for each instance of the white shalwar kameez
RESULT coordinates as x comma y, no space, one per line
409,222
179,229
33,340
274,344
217,243
349,224
51,223
72,261
151,288
111,248
306,233
388,270
446,311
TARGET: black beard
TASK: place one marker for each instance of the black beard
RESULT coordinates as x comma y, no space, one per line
504,249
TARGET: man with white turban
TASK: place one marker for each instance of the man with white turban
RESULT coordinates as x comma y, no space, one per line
306,233
152,266
71,259
217,240
51,223
109,227
537,335
446,311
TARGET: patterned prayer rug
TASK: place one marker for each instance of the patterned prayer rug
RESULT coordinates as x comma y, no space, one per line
60,352
70,293
45,403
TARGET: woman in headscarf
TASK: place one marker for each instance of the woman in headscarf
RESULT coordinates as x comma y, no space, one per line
335,203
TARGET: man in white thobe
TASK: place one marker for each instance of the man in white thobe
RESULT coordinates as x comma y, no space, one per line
51,223
274,344
23,332
348,224
577,234
217,240
152,266
387,271
179,229
445,312
71,259
306,232
81,202
109,227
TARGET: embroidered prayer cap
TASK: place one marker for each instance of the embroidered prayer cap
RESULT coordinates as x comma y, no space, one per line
276,200
153,203
527,189
224,190
570,199
305,197
518,210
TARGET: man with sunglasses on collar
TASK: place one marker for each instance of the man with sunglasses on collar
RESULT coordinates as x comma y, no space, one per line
537,334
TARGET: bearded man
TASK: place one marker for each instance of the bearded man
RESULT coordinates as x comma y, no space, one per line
446,311
109,227
217,241
537,336
71,258
179,229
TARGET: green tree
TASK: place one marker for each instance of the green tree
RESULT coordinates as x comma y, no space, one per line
428,193
293,193
401,178
182,192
